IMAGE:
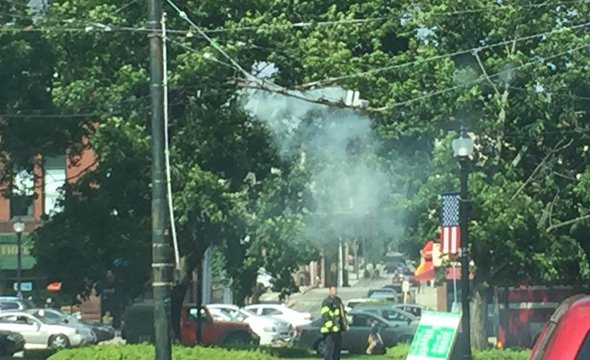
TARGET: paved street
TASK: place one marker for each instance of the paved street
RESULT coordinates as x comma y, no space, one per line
310,300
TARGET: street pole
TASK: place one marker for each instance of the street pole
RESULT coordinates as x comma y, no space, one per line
340,263
19,264
455,307
161,254
463,209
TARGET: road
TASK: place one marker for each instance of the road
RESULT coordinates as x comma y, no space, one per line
310,300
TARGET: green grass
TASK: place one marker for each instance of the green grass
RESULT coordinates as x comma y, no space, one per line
344,357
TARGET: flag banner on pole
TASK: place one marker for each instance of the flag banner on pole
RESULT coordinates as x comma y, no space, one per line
450,234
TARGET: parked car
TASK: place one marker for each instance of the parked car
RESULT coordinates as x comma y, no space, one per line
396,287
15,303
566,335
349,305
281,312
11,342
138,326
219,315
390,313
270,330
354,340
41,332
384,294
413,309
60,317
104,332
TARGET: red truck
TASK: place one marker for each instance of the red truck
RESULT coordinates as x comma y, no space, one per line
566,336
524,310
138,327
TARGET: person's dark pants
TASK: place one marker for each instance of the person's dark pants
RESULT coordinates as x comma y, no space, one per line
333,342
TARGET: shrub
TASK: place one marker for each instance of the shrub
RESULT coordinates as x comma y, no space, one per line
507,354
146,352
400,352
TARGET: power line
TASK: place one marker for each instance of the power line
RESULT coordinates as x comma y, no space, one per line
212,42
437,57
479,79
259,85
502,6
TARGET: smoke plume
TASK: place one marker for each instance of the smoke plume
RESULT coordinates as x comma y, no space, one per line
338,148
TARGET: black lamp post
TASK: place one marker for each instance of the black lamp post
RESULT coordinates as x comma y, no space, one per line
463,148
18,227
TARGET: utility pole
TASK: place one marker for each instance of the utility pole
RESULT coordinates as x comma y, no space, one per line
161,252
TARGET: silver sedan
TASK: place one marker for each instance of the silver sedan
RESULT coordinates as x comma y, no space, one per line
41,332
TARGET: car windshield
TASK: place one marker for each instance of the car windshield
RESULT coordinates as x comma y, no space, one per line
49,318
247,313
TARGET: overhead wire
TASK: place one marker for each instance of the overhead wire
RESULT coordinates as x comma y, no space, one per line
431,94
438,57
479,79
249,76
502,6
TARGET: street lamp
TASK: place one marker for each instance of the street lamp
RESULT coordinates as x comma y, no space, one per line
463,148
18,227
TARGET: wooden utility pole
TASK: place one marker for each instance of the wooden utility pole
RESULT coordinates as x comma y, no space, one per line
161,251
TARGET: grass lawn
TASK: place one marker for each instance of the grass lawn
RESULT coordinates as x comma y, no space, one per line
344,357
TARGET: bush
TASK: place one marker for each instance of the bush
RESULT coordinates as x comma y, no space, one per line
400,352
496,354
146,352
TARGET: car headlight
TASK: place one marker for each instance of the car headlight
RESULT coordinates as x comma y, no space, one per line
269,329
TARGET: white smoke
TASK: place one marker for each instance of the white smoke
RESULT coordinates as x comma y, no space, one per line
338,147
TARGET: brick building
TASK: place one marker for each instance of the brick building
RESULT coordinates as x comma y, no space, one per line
31,197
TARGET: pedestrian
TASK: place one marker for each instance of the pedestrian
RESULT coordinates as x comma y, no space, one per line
374,339
334,323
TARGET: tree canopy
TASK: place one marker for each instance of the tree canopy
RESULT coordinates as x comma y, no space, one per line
513,72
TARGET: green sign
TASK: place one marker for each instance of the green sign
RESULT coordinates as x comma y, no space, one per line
9,251
435,336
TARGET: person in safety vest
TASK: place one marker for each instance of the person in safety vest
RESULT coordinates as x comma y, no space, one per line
333,324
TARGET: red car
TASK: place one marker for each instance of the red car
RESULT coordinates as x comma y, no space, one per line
138,327
566,336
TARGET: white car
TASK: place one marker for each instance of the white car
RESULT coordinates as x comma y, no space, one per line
350,304
219,315
268,329
41,333
60,317
281,312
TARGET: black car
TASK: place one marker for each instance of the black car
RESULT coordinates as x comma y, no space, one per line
11,343
104,332
354,340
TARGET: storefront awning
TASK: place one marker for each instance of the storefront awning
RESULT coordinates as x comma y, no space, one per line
425,272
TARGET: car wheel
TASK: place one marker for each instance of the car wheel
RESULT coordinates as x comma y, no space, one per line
320,347
238,341
59,341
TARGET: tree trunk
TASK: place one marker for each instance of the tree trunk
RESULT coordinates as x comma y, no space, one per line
178,295
479,337
199,304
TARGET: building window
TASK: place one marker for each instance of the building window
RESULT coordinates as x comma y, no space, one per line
54,180
21,199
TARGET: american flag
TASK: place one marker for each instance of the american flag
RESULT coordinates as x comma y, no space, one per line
450,234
